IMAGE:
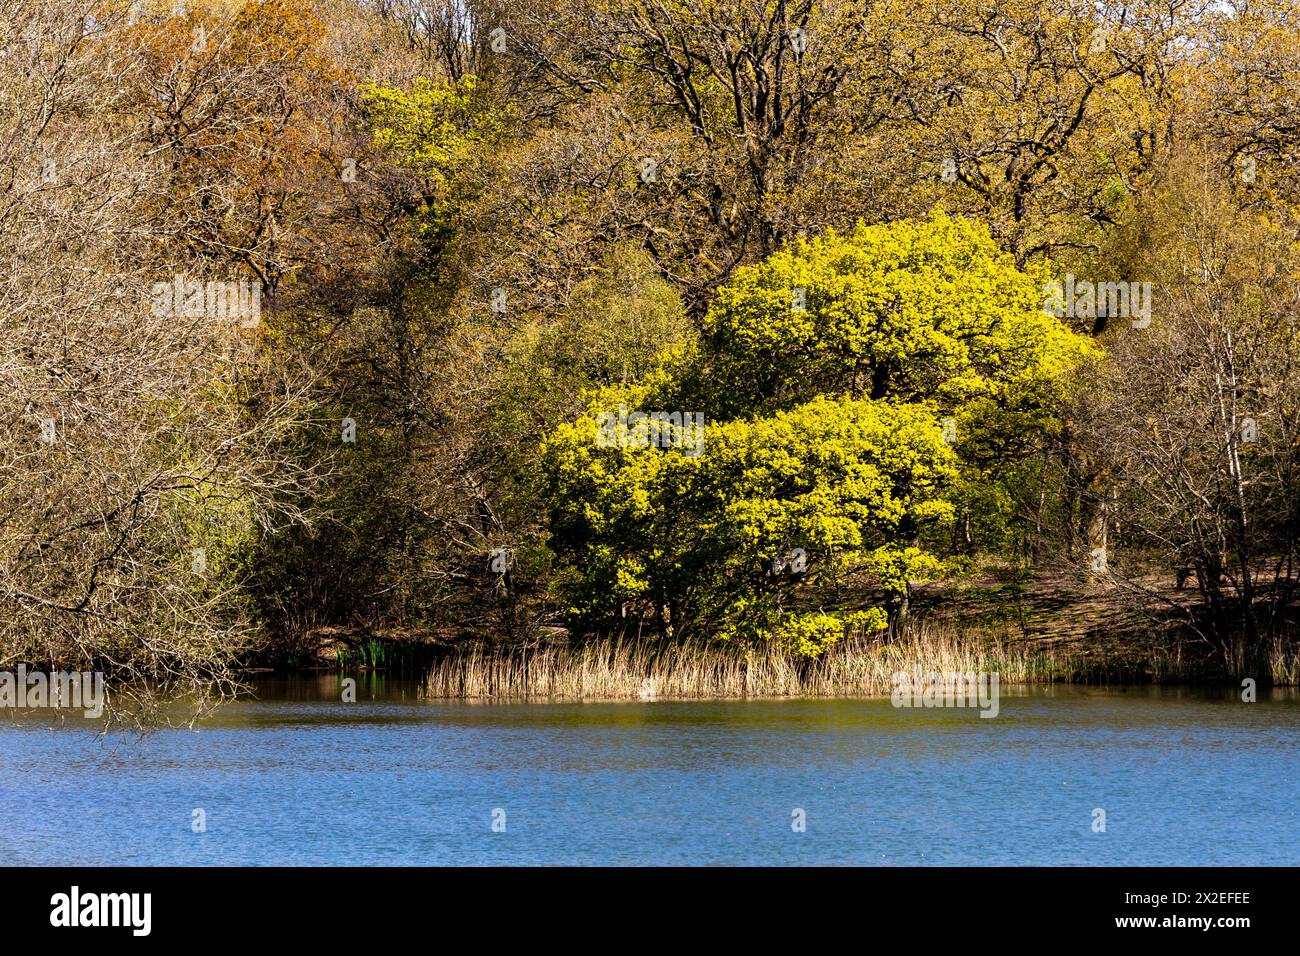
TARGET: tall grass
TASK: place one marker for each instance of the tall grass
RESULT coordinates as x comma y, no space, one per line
1284,664
631,669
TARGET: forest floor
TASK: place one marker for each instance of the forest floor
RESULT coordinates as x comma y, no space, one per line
1059,608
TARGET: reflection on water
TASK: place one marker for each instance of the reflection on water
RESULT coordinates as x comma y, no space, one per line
295,776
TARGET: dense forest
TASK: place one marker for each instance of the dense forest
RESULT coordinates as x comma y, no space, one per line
779,324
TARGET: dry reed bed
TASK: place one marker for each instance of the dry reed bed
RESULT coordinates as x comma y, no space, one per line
629,669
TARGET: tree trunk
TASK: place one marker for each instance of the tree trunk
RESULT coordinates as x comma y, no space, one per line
897,607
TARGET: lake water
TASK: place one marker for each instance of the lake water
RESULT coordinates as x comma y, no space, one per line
298,777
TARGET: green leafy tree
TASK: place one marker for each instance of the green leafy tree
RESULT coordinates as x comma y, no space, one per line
851,388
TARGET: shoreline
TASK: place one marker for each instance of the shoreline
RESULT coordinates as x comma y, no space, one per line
328,681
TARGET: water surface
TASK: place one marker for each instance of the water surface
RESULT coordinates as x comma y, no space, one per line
295,776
